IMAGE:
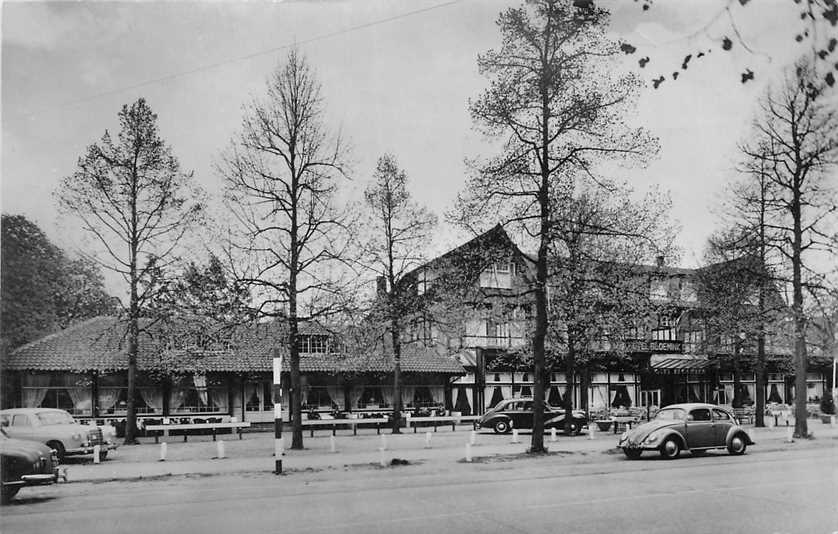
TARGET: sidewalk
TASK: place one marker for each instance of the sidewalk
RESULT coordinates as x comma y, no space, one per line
254,453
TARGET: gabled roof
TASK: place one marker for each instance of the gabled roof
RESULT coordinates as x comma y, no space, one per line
495,235
100,344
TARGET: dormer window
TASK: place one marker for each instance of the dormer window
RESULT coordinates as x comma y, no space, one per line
313,344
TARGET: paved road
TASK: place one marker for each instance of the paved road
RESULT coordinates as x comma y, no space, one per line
762,492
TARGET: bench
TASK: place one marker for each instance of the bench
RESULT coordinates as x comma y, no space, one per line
445,420
196,426
333,424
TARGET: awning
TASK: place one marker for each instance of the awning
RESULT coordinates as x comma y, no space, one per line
679,363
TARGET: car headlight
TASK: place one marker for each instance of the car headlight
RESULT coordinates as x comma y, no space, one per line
652,438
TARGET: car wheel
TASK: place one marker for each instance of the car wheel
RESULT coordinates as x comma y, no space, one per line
737,445
670,448
632,454
59,450
501,427
8,493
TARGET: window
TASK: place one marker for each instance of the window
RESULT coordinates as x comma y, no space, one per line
701,414
20,420
720,415
497,275
65,391
659,289
317,397
313,344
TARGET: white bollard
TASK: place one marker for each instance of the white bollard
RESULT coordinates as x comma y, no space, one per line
592,430
220,449
832,421
427,440
468,452
383,442
789,434
515,436
472,439
553,434
381,461
163,448
332,446
97,454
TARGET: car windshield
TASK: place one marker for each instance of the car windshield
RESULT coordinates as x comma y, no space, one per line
55,418
675,414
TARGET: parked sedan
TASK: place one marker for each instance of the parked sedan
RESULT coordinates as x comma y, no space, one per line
518,413
24,463
57,429
694,427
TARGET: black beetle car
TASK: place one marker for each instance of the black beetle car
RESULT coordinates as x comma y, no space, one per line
25,463
518,413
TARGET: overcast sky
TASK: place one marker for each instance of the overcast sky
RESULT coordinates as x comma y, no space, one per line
397,76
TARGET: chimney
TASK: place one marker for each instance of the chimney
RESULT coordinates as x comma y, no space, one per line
659,261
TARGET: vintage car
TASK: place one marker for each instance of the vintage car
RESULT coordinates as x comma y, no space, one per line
518,413
58,430
24,463
694,427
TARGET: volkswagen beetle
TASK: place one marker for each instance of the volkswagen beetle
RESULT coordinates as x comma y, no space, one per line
694,427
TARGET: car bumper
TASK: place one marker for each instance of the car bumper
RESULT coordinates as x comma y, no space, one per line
89,449
35,479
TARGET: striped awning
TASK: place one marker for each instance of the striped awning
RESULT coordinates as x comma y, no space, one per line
679,363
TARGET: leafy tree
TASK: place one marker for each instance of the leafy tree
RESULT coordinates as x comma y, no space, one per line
795,141
132,196
399,233
557,111
200,309
280,174
44,290
813,27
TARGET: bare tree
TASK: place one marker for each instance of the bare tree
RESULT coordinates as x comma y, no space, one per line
400,231
557,111
795,139
132,196
280,174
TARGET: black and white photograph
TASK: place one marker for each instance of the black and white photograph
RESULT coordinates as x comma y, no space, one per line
412,266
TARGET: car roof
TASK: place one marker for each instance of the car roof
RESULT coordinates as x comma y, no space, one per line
10,411
694,405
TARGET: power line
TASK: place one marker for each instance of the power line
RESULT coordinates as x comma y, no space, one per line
267,51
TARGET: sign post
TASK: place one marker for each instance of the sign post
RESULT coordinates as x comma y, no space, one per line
277,394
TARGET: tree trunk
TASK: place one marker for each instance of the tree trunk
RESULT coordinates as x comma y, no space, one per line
737,376
397,371
800,413
759,412
295,392
570,359
537,442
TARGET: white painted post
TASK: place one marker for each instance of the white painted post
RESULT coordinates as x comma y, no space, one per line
97,452
163,449
592,430
407,421
381,461
332,446
279,446
789,434
220,449
383,442
472,439
553,434
427,440
468,452
515,436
